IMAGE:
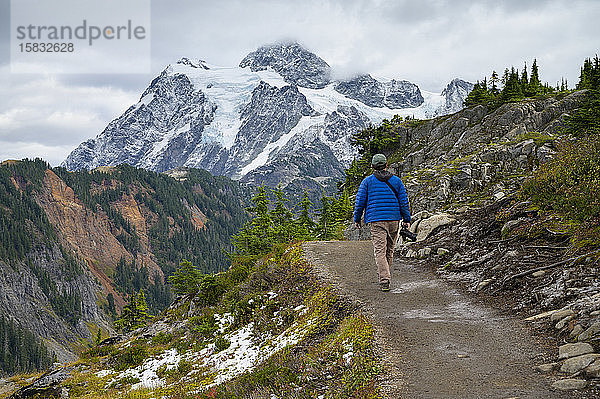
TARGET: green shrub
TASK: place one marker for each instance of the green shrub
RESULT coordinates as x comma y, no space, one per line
244,310
184,367
99,351
206,325
186,279
569,186
130,357
162,338
222,343
211,289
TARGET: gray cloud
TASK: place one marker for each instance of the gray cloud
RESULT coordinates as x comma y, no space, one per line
427,42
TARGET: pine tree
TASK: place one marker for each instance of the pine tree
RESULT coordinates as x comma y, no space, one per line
323,223
479,95
186,279
505,76
257,236
304,221
524,79
111,304
332,213
98,337
585,77
534,82
586,119
512,88
494,81
135,313
282,218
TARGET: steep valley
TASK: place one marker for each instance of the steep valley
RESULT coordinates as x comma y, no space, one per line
76,245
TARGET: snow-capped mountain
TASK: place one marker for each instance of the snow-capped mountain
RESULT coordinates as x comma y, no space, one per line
275,118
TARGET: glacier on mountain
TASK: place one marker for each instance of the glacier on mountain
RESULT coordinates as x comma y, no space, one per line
275,118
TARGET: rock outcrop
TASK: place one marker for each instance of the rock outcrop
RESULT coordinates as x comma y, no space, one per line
471,150
47,386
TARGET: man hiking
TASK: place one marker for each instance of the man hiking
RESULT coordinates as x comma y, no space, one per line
383,198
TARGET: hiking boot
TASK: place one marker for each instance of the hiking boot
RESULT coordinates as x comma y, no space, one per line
384,286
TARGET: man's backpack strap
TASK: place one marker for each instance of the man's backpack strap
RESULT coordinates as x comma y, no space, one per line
393,189
395,193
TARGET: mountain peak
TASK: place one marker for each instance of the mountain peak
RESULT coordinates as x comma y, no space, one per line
455,94
194,63
293,62
457,84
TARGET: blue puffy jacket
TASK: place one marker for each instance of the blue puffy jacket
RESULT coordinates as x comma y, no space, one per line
378,200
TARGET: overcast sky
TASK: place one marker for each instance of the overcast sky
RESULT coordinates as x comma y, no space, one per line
428,42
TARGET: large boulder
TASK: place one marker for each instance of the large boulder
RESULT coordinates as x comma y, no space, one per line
571,350
427,226
47,386
578,363
569,384
590,333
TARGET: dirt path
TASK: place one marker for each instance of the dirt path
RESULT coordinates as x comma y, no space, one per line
436,342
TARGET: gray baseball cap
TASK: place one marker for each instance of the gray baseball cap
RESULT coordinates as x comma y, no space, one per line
379,161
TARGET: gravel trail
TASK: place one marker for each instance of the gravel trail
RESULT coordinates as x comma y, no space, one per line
435,341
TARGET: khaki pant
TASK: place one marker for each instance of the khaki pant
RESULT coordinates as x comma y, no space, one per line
384,235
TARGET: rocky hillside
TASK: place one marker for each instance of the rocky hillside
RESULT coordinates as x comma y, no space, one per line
276,118
74,245
474,152
262,329
505,204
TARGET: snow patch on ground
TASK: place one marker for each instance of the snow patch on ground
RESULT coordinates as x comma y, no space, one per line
146,372
225,320
244,353
104,373
272,295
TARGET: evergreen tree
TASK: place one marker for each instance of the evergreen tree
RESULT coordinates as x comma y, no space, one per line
524,79
346,206
479,95
20,350
98,337
586,75
186,279
512,89
257,236
586,119
334,211
111,304
324,226
534,82
135,313
304,221
282,218
494,84
505,76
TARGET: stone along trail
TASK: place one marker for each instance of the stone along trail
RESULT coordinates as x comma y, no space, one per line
436,342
